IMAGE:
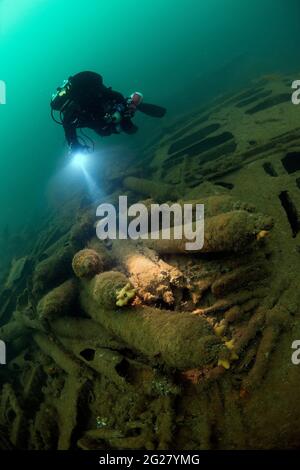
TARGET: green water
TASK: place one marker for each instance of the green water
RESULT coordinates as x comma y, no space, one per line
177,52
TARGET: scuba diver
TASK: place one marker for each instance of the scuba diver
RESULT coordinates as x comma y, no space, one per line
83,101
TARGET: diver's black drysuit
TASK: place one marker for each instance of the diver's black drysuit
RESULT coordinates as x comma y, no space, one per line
84,101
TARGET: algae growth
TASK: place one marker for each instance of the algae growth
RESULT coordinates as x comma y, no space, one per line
143,345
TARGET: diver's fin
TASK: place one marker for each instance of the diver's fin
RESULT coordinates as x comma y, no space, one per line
152,110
